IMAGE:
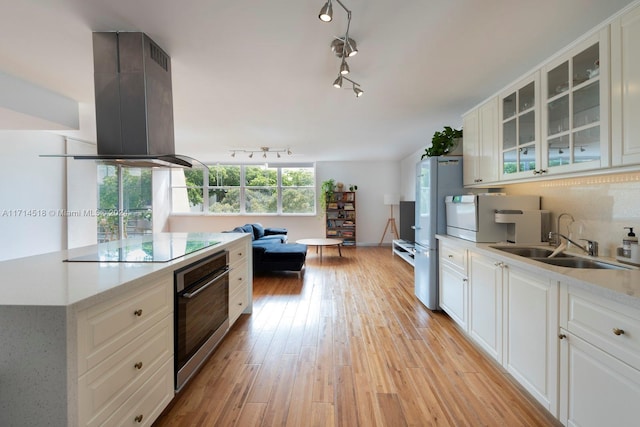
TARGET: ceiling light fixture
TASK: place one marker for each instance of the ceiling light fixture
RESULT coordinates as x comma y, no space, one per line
343,47
264,150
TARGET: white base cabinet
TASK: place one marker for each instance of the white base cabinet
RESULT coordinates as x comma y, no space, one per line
597,389
531,334
454,283
485,303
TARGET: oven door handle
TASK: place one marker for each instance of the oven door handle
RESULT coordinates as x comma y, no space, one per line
206,285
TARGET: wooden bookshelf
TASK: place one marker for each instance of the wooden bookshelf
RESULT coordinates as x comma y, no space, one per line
341,217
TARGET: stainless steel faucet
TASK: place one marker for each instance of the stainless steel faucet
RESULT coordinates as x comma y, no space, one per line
557,242
592,245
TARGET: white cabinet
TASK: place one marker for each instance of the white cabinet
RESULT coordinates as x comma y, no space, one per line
454,283
519,119
485,303
575,121
240,280
625,97
125,349
531,334
599,360
480,146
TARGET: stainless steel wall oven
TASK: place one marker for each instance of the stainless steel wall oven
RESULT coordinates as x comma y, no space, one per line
201,312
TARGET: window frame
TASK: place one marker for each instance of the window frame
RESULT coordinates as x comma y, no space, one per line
206,187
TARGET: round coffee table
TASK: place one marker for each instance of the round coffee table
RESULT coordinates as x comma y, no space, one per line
320,243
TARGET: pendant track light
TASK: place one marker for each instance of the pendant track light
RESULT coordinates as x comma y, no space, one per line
343,47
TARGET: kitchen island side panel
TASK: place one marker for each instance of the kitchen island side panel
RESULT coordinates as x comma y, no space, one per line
33,366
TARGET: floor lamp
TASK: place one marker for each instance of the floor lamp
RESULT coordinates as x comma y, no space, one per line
390,199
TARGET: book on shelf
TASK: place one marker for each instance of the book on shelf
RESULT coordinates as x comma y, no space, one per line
332,206
348,207
332,232
349,197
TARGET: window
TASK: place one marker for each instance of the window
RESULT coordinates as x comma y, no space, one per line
245,189
129,215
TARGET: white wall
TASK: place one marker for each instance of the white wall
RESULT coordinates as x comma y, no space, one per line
374,180
31,185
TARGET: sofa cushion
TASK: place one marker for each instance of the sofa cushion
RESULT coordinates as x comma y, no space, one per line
258,230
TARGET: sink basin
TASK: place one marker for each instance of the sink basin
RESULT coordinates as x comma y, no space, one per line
530,252
575,262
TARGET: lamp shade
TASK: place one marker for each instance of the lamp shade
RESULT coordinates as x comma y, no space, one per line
391,199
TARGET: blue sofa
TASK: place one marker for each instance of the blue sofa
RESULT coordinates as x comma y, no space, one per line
271,252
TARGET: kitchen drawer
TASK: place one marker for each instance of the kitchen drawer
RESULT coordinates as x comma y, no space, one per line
147,403
238,302
237,252
108,326
238,277
454,255
107,386
611,326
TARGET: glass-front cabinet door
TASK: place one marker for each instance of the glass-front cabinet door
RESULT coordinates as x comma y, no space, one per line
575,123
519,130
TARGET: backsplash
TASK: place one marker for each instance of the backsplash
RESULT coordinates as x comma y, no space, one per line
601,205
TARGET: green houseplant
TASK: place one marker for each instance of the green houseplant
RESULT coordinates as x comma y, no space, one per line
326,191
443,142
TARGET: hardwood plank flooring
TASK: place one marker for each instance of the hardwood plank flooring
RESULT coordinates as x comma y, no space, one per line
349,345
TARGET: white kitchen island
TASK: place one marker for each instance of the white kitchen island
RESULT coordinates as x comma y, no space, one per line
51,314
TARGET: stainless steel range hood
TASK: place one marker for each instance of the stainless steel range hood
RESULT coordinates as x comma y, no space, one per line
134,102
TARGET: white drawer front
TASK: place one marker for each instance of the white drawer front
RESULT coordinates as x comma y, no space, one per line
104,388
613,327
237,252
238,278
455,256
106,327
146,404
238,302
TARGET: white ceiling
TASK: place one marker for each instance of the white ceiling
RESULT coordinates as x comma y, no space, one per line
249,73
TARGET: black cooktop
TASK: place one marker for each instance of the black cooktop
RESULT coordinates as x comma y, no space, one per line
161,247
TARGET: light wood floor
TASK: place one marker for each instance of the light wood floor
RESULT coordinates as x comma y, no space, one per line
349,345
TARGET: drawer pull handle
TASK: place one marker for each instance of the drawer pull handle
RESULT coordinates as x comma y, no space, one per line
138,365
562,336
617,331
138,418
240,304
138,312
450,256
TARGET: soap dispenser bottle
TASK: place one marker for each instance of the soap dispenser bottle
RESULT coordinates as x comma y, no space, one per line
628,240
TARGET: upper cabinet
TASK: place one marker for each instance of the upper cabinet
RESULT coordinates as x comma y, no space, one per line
575,112
480,146
519,120
625,97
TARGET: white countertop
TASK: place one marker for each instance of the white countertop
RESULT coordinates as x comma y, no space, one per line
620,285
46,280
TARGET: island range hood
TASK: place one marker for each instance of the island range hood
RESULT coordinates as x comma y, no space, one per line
134,102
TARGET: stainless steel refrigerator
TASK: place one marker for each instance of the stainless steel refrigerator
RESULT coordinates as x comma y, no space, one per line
436,177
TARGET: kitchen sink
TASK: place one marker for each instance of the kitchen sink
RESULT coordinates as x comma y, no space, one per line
530,252
575,262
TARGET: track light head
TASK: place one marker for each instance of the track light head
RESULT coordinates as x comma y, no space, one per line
350,48
233,154
278,154
288,151
251,155
338,82
357,91
344,67
326,13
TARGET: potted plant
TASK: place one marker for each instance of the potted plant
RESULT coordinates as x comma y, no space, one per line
443,142
326,191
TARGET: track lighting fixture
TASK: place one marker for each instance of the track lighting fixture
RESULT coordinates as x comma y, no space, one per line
343,47
264,151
